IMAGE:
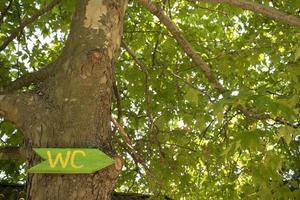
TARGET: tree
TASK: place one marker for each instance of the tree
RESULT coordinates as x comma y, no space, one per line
206,95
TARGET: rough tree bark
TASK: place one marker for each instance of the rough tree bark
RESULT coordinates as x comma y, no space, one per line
73,107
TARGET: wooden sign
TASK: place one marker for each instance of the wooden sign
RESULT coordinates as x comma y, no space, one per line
70,161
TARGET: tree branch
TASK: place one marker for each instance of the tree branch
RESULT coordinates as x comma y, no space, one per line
263,116
141,65
188,49
122,132
27,22
4,12
10,153
202,91
16,107
137,158
144,69
118,99
183,43
27,79
264,10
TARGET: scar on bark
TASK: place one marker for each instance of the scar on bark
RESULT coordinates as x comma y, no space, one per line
93,57
118,163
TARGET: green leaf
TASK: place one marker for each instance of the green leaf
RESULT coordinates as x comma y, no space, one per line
191,95
286,133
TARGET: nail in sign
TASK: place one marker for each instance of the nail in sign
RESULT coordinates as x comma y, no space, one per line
70,161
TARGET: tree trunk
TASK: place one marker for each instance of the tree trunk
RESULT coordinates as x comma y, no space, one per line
73,108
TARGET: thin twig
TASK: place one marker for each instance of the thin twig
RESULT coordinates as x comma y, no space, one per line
141,65
258,116
117,95
148,95
192,86
122,132
14,33
5,11
129,143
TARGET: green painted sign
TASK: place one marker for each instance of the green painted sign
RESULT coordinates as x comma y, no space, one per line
70,161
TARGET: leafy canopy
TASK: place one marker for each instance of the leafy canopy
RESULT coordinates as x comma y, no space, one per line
195,142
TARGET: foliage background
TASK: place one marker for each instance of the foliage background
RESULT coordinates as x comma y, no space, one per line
195,142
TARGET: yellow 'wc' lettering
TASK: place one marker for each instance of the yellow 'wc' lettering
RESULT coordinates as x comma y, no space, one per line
73,157
59,158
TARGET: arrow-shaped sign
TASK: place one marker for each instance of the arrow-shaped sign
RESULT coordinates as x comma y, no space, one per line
70,161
